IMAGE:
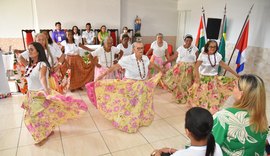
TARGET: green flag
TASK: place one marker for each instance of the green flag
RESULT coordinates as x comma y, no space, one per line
222,44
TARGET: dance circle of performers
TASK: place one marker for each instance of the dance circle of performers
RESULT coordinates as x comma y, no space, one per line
120,86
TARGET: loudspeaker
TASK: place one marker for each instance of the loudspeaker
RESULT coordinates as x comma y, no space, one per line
212,28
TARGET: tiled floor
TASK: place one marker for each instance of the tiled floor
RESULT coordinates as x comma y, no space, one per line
93,135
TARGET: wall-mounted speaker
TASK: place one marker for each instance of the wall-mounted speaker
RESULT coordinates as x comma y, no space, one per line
213,28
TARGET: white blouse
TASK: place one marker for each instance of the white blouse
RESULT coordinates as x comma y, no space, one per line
33,80
206,68
197,151
127,51
129,63
105,59
77,39
71,48
159,51
186,54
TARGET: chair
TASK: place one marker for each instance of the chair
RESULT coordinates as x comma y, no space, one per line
29,37
146,48
96,33
114,34
50,31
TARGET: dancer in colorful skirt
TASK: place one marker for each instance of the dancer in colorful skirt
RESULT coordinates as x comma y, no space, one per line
160,53
81,73
44,108
107,56
58,80
210,90
180,77
128,103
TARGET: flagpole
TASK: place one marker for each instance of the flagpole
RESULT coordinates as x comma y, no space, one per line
223,22
204,24
239,38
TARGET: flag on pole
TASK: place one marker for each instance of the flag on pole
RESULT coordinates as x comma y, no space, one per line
241,47
222,44
200,40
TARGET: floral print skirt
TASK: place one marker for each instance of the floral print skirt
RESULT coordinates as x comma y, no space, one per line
44,112
178,80
127,103
211,93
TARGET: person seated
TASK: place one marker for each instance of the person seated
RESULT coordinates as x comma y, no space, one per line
77,35
242,129
125,45
102,34
124,31
88,35
198,125
58,35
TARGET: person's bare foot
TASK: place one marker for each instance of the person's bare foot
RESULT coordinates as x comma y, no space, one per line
42,142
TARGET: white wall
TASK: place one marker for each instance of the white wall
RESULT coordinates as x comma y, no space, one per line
79,12
259,33
157,16
14,16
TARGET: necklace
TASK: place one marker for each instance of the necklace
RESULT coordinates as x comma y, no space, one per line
28,72
106,59
144,74
189,49
210,60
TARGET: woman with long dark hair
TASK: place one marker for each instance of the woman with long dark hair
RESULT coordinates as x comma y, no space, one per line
198,125
45,108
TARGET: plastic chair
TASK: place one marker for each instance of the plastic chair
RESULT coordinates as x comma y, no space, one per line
29,37
114,34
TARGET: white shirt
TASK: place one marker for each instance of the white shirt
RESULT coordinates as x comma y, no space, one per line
71,48
77,39
206,68
33,80
55,51
127,51
100,53
186,54
197,151
159,51
89,36
129,63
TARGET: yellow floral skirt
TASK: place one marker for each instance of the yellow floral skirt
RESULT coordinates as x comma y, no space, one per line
127,103
44,112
